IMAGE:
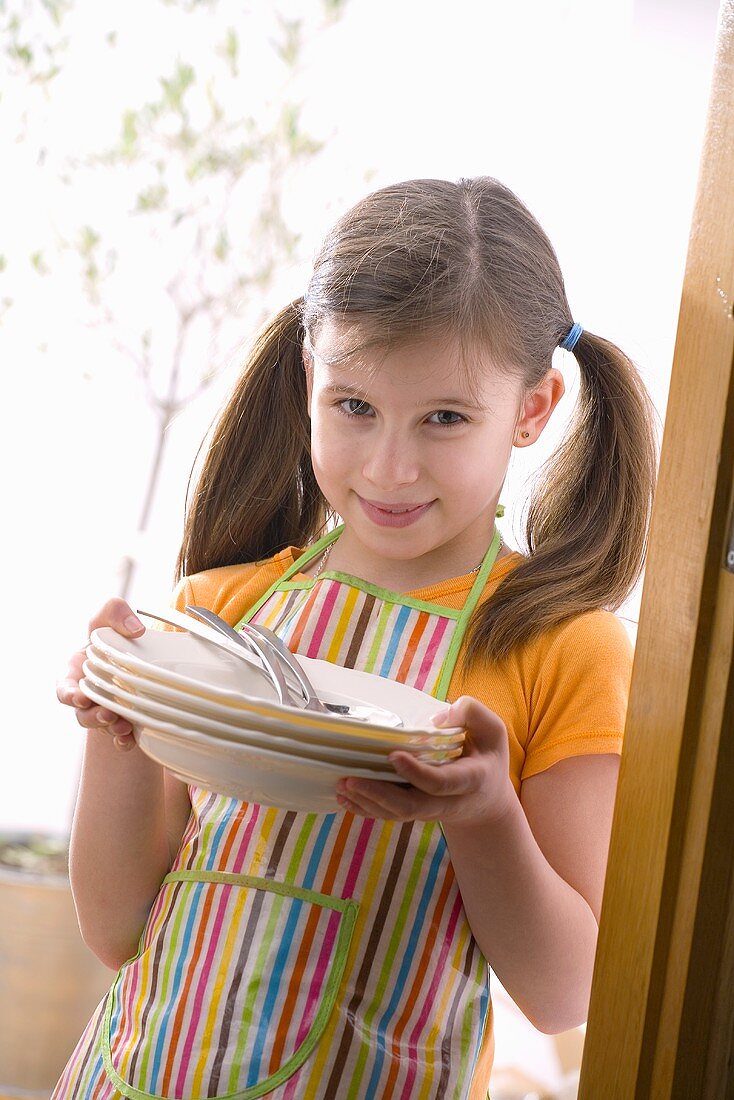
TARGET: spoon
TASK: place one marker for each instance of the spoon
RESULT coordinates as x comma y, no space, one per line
257,633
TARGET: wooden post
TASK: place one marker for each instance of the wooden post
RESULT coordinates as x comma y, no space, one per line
661,1017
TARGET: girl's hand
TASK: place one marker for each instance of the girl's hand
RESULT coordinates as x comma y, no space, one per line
475,789
120,616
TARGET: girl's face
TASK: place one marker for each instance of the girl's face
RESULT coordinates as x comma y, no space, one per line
411,459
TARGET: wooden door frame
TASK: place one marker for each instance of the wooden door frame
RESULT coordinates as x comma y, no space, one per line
661,1015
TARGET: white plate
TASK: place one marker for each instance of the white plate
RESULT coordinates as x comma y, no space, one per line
170,657
238,771
282,741
244,719
192,665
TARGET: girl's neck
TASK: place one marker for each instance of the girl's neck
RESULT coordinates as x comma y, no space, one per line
395,576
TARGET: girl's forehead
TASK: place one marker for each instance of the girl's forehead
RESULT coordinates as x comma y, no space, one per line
443,362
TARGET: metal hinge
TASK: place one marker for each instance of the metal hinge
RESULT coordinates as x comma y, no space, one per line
730,548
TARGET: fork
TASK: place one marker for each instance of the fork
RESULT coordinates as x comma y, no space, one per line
262,634
259,634
249,649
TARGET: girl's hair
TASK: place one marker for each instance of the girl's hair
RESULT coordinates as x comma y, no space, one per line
468,260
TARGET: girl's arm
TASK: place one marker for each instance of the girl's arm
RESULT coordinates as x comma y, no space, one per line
129,818
531,882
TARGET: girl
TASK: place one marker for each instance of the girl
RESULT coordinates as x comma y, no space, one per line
347,955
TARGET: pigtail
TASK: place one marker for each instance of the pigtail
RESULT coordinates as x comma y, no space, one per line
588,518
256,493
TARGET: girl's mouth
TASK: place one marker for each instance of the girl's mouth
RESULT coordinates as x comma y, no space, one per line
393,515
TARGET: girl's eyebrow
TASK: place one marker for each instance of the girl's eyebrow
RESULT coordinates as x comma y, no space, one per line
355,391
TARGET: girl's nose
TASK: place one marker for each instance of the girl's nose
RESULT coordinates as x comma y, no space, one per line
390,463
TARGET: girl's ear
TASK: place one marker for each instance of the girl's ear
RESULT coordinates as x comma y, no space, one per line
308,367
537,408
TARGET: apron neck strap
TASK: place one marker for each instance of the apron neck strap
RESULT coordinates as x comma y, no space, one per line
312,552
308,555
463,621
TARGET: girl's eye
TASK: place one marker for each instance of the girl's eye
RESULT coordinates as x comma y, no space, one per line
449,423
354,406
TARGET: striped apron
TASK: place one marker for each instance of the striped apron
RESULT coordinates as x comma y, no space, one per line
306,956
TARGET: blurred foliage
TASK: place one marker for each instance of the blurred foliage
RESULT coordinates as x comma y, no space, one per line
189,149
193,183
33,38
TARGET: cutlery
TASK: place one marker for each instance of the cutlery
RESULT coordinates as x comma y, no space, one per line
255,655
311,700
259,636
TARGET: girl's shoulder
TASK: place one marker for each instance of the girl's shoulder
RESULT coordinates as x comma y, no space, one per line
592,652
565,693
587,636
230,590
579,690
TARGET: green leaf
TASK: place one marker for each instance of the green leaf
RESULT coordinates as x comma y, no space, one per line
44,78
298,143
22,53
175,89
217,111
231,50
88,240
39,263
57,9
334,8
153,198
129,133
289,121
222,247
289,48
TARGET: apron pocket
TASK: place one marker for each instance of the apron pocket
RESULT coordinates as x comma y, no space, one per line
231,988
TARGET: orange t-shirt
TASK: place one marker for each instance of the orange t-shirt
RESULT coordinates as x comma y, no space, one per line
563,694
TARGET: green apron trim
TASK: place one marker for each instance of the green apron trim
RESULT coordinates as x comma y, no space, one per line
347,907
460,616
463,621
326,901
284,583
317,548
374,590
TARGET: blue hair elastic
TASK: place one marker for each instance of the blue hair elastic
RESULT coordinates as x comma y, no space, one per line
570,341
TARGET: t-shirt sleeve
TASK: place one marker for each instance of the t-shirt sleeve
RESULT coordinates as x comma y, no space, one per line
182,594
579,699
229,590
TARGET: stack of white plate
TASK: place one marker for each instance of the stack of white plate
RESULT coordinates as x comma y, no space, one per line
215,721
